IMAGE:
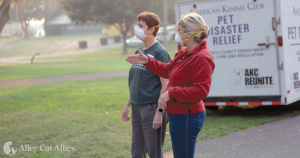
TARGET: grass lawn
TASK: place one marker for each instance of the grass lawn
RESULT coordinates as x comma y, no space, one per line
93,62
47,45
86,115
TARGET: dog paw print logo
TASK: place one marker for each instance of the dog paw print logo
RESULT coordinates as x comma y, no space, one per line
8,149
239,73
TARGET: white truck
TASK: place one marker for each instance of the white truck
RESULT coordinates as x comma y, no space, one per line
256,48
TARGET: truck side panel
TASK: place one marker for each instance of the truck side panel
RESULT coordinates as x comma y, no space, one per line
243,68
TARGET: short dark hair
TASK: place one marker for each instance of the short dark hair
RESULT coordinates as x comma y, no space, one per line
151,20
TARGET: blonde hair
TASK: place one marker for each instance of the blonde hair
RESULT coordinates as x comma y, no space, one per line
193,22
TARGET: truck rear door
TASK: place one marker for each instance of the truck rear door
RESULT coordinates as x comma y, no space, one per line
290,21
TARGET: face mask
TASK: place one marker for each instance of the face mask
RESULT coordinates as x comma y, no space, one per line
178,39
140,33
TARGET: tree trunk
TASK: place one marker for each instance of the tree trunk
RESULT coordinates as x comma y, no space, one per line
4,13
124,31
124,43
25,29
26,32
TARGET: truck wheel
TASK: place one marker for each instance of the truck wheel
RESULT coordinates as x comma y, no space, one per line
212,107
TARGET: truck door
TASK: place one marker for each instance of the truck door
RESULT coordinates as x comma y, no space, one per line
242,42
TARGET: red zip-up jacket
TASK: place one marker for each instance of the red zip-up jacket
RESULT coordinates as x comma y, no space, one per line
190,75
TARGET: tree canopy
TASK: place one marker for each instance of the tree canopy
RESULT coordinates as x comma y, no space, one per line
27,10
120,12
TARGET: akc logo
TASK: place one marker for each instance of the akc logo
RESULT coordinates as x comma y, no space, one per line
239,73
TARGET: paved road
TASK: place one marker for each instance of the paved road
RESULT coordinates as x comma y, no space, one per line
55,79
26,59
279,139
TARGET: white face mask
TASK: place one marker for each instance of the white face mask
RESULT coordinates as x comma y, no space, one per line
178,39
140,33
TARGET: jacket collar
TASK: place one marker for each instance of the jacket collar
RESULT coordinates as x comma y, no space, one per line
200,46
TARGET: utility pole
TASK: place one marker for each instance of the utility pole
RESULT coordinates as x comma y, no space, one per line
17,17
165,23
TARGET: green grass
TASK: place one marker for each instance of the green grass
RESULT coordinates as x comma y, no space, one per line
47,45
87,115
94,62
100,61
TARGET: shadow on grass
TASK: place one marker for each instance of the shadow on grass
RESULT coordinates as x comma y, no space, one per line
260,111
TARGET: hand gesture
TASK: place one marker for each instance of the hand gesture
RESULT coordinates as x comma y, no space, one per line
137,58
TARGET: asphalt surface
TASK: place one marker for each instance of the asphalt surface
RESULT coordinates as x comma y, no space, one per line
27,59
279,139
65,78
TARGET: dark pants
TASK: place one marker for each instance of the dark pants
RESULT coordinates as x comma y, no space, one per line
145,139
184,129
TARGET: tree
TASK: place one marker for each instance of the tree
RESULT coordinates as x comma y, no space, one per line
121,13
171,12
4,13
52,10
27,10
30,10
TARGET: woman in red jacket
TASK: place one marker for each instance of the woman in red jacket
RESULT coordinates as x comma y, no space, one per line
190,74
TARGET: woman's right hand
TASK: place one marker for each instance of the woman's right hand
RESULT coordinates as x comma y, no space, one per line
125,112
137,58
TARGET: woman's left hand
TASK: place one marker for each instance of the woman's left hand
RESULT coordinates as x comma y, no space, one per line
163,99
137,58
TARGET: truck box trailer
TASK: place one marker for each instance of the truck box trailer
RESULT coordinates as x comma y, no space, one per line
256,48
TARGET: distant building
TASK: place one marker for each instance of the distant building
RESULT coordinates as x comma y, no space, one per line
62,25
11,29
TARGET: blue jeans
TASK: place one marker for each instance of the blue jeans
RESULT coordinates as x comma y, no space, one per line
184,129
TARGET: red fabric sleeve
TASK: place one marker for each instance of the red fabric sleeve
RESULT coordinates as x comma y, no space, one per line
159,68
172,93
201,75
